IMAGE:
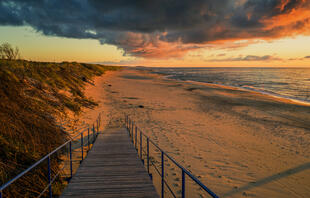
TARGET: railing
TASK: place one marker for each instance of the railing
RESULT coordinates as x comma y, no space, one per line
58,167
158,161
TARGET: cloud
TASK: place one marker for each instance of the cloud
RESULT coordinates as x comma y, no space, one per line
161,28
148,45
299,58
247,58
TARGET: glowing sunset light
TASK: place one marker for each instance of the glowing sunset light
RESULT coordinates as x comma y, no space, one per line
217,91
161,33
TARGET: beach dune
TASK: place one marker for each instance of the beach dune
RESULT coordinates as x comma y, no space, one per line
239,143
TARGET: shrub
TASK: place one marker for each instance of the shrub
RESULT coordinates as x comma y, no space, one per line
8,52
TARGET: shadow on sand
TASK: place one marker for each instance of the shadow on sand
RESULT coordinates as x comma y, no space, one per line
266,180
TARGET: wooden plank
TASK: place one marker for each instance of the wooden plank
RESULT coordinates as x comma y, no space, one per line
111,169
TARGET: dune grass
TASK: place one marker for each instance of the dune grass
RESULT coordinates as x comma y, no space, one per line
32,96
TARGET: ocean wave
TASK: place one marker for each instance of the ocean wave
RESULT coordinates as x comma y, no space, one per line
288,83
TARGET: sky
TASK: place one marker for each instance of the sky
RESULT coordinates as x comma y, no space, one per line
160,33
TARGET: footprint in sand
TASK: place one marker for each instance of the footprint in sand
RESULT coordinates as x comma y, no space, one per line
198,157
131,98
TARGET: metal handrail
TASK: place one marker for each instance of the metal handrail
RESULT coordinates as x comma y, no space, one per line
95,132
130,125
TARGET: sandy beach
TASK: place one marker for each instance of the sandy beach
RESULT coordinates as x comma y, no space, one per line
238,143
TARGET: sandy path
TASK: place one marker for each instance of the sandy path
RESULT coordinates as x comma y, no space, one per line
239,143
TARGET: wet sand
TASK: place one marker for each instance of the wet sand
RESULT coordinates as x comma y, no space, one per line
239,143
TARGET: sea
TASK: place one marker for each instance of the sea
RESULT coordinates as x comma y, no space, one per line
291,83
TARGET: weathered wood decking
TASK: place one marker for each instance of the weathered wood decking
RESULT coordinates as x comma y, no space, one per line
111,169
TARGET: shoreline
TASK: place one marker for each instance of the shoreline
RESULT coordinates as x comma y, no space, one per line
229,138
282,98
255,90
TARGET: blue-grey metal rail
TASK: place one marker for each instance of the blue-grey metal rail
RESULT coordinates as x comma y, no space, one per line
79,137
133,133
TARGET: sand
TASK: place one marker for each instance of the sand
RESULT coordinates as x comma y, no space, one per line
238,143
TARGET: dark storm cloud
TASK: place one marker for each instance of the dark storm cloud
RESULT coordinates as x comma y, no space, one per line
252,12
140,26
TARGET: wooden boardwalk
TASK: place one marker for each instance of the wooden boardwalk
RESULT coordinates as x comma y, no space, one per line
111,169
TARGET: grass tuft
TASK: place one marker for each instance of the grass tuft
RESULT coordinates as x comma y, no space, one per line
32,96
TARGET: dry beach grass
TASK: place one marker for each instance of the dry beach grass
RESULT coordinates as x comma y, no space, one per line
34,96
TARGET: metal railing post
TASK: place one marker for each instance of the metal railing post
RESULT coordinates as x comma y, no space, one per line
82,146
136,138
133,134
93,133
132,129
162,175
183,184
88,139
49,176
140,145
148,155
99,119
70,159
128,125
126,121
97,126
